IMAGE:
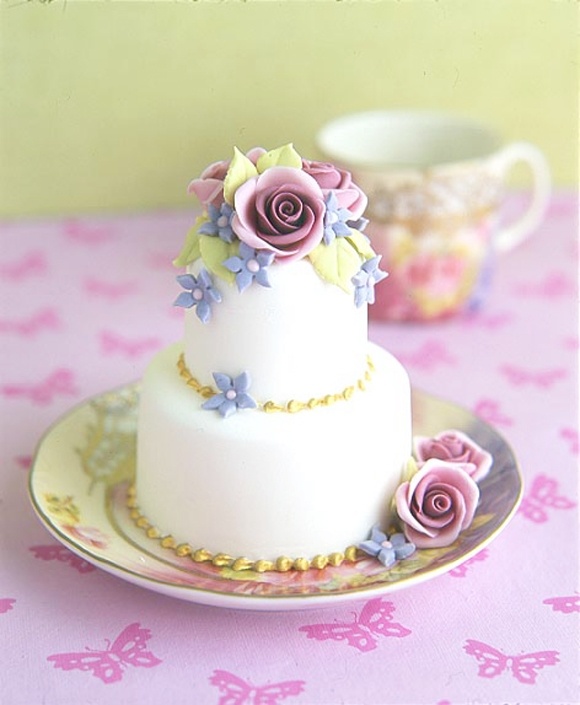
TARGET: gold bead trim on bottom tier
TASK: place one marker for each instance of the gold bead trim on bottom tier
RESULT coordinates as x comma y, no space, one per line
293,405
222,560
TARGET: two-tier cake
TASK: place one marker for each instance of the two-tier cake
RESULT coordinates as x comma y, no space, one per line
273,436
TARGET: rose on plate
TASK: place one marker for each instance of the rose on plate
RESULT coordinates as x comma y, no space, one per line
454,446
437,503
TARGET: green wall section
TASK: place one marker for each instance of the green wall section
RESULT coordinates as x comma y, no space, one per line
117,105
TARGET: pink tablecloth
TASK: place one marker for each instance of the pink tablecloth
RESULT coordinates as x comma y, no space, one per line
86,301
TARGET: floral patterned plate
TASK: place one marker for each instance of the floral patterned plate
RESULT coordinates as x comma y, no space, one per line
86,461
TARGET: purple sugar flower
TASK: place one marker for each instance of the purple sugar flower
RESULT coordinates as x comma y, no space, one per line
364,281
233,394
335,220
199,292
359,224
387,549
251,264
219,224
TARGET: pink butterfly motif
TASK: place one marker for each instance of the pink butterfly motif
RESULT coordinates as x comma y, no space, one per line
111,344
238,692
375,620
461,570
6,604
493,662
128,649
543,495
429,356
519,377
109,290
85,234
54,552
24,461
554,285
160,260
27,327
31,264
490,321
567,605
60,382
570,435
489,410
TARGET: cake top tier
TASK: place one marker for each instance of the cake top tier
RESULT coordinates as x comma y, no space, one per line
270,208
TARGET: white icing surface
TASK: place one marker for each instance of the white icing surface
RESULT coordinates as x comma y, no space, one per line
263,485
299,339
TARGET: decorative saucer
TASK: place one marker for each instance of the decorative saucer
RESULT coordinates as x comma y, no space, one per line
86,461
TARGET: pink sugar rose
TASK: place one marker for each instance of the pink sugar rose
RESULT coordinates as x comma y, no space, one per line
437,503
331,178
209,186
456,447
281,211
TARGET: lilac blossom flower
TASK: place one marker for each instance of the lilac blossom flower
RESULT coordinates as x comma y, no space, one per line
335,220
251,264
364,281
233,394
387,549
219,224
199,292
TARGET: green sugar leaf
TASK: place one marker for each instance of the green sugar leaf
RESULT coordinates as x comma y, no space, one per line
190,250
241,169
214,252
336,263
282,156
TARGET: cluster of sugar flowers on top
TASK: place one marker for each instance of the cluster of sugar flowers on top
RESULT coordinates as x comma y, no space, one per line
438,498
262,208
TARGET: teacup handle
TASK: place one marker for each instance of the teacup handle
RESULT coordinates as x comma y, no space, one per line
513,234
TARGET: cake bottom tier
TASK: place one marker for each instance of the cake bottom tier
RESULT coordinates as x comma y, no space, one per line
264,485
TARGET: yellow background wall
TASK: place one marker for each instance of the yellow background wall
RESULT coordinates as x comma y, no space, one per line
117,105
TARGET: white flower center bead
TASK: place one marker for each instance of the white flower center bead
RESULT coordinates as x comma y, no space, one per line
223,221
197,294
253,266
231,394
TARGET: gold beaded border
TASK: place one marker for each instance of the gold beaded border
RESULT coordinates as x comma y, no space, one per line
291,407
282,564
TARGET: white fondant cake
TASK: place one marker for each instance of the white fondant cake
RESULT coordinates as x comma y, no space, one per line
276,291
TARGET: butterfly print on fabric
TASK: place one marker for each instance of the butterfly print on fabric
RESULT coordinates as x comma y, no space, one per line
56,552
461,570
375,620
570,435
58,383
567,605
489,321
111,344
109,290
86,234
128,649
520,377
236,691
46,319
493,662
489,410
543,495
6,604
31,264
24,461
428,357
554,285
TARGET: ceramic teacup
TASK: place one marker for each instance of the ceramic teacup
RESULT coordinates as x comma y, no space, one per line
435,184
